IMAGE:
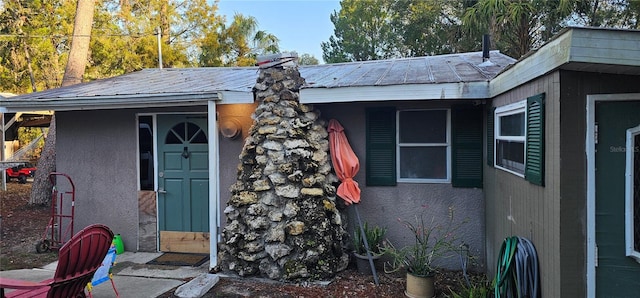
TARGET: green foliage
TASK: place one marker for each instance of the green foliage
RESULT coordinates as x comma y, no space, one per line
409,28
518,26
28,134
35,38
430,27
431,242
307,59
374,235
479,287
239,44
28,60
370,30
362,32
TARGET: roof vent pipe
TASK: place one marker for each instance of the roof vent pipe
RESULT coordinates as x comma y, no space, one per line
486,45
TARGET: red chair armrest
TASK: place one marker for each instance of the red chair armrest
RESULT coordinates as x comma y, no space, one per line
7,283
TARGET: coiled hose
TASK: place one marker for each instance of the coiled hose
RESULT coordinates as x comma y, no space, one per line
517,273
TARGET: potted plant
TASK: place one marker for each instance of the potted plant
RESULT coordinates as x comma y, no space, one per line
431,241
375,236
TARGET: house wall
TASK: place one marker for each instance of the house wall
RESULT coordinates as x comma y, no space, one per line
573,183
553,217
385,205
230,150
98,150
516,207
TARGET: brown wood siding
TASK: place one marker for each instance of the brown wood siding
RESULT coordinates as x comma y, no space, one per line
516,207
554,216
573,227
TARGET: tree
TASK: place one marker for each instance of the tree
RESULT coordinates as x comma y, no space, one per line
362,31
79,44
608,13
307,59
33,37
431,27
518,26
238,44
40,189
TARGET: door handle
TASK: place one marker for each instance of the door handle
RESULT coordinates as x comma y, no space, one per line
162,191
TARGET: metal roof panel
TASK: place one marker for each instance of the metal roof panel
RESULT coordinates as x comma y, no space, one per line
192,85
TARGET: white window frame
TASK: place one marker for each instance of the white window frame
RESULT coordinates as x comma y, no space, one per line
447,145
631,148
511,109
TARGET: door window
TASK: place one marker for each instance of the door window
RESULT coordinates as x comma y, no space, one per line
186,132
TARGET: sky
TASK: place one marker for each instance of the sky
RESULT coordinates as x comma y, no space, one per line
301,25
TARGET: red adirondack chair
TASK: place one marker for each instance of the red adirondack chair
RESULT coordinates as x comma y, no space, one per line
78,260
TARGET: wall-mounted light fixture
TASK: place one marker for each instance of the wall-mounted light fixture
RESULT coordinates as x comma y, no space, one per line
230,128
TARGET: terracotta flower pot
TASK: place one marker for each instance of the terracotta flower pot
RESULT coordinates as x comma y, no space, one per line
420,286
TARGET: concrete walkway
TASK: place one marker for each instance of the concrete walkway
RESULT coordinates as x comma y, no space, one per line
131,275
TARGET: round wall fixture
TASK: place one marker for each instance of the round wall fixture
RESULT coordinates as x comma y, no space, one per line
230,128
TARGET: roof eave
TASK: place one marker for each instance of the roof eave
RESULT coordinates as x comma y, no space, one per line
125,101
613,51
461,90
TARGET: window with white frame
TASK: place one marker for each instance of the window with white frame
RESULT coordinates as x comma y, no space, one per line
632,194
510,138
423,150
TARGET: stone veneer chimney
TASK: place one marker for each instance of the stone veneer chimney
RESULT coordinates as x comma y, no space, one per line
282,219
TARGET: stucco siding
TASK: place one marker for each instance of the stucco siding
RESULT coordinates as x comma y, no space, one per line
519,208
384,206
97,149
230,150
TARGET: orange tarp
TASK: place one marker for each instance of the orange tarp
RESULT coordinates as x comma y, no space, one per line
345,163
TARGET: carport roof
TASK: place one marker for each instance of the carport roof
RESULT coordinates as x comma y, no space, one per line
452,76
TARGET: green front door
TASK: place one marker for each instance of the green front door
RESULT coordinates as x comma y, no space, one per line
617,275
183,183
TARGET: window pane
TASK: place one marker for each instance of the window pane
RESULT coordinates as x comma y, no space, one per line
145,145
510,155
423,162
512,125
423,126
176,134
195,135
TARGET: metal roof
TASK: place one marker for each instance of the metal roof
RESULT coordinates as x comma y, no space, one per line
453,76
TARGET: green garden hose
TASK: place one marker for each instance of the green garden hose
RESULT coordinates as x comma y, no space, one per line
517,273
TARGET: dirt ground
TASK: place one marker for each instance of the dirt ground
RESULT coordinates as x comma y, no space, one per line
22,226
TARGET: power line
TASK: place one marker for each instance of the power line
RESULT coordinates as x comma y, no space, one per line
79,35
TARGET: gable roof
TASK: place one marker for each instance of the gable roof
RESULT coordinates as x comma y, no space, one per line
453,76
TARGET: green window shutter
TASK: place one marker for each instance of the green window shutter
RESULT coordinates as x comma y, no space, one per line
381,146
534,162
491,118
466,146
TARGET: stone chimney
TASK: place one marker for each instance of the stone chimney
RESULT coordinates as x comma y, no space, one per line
282,219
